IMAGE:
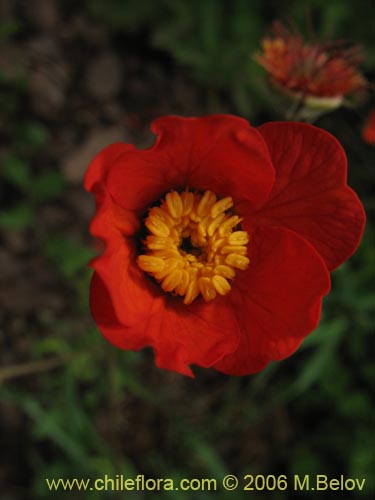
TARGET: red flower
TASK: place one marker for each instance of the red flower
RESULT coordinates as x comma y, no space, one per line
219,240
311,70
368,132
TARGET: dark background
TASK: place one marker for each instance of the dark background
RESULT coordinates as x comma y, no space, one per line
75,77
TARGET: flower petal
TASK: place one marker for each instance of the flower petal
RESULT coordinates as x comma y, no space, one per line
310,195
181,335
198,334
133,312
277,299
133,296
106,318
102,162
111,219
221,153
130,292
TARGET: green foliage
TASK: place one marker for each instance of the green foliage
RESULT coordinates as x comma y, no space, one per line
38,188
35,190
68,255
17,172
96,375
8,28
31,136
216,40
19,217
340,20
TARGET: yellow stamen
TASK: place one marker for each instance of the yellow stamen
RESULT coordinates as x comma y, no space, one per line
239,249
225,271
168,267
174,204
172,280
182,287
192,292
226,227
194,246
161,214
157,227
221,285
221,206
237,261
150,264
188,202
239,238
214,224
207,288
205,204
158,242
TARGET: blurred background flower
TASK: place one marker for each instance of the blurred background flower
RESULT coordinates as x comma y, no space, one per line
318,75
368,131
74,77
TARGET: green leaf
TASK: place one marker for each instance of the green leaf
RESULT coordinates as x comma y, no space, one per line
69,255
17,172
48,185
20,217
34,135
330,335
8,28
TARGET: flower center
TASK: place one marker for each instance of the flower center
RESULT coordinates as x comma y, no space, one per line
192,246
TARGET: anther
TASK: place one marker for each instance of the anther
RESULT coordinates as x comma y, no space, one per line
238,238
206,288
157,227
192,247
208,199
172,280
225,271
174,204
187,201
158,242
237,261
221,285
221,206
